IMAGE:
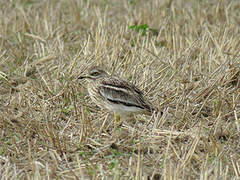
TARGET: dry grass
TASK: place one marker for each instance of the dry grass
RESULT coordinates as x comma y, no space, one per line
187,64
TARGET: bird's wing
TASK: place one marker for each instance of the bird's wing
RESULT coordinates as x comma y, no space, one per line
122,92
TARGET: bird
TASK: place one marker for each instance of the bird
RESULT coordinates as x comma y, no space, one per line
115,94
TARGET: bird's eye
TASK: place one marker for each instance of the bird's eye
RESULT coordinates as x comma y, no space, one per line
95,74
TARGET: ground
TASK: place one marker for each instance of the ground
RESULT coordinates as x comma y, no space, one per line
184,56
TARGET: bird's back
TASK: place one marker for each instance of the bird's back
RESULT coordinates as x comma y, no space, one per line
120,92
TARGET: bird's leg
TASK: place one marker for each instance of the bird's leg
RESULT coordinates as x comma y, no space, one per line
117,118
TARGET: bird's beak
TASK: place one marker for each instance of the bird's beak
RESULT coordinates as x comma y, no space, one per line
83,77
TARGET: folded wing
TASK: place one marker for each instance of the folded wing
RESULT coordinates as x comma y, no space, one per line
120,92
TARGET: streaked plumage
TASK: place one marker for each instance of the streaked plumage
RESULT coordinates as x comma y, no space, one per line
114,93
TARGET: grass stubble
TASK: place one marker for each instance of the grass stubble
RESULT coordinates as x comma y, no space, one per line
186,60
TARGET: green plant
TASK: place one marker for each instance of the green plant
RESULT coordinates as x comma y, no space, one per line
142,28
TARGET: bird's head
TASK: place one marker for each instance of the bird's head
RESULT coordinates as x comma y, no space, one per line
94,73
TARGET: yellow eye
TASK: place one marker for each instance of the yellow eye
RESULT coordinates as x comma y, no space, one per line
94,73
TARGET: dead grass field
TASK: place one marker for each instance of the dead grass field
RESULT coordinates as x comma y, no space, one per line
187,61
